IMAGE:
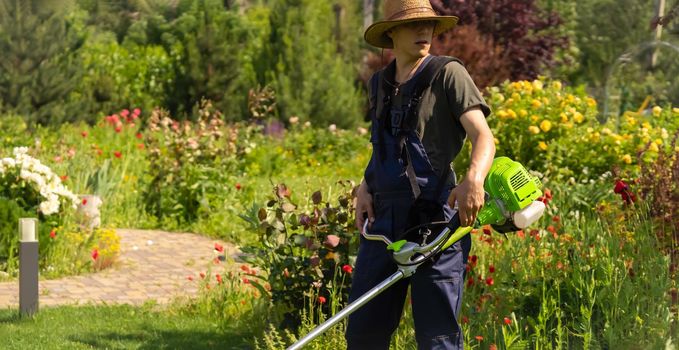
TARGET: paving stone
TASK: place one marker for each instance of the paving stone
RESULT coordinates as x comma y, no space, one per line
158,271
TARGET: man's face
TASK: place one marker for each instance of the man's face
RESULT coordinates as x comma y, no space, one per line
413,38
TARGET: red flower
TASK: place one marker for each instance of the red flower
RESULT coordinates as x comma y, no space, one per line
556,218
99,151
219,278
321,300
492,347
246,281
473,258
470,282
479,338
551,229
520,234
125,112
620,186
489,281
238,186
84,133
486,230
136,111
119,128
190,278
508,321
245,268
202,275
215,261
140,146
84,201
491,268
219,247
347,269
139,135
53,233
117,154
95,254
465,319
63,177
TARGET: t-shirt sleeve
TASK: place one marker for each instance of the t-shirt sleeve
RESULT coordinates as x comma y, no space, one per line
461,91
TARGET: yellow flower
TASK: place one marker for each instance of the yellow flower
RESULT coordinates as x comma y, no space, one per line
534,129
534,118
516,96
502,114
542,145
591,102
511,113
656,111
536,103
556,85
546,125
497,142
570,98
537,85
500,97
578,118
658,141
653,147
568,125
523,112
627,159
564,117
675,110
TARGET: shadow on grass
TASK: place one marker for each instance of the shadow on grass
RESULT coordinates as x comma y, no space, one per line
150,338
11,316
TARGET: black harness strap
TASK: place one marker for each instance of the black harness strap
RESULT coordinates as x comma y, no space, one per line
382,85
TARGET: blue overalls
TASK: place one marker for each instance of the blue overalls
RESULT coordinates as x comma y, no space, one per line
436,287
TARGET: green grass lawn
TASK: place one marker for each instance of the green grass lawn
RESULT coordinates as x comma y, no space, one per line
115,327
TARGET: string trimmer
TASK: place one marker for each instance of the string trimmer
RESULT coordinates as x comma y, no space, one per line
511,204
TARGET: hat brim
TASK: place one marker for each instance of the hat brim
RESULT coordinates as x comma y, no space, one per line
376,34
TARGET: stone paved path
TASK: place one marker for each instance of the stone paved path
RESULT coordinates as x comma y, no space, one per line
152,265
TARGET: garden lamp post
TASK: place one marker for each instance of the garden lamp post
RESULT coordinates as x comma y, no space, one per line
28,266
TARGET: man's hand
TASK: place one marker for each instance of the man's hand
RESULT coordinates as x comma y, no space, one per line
364,206
470,199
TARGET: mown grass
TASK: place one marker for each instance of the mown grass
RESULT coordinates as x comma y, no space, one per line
116,327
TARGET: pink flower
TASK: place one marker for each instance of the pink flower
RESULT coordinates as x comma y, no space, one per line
95,254
125,112
136,111
331,241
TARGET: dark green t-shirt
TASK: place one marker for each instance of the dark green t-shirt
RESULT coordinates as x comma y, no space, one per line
451,94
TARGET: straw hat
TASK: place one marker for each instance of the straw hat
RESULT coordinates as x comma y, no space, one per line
398,12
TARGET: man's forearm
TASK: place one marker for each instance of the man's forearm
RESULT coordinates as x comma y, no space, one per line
483,152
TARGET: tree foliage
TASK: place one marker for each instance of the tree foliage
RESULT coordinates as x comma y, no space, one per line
39,60
515,31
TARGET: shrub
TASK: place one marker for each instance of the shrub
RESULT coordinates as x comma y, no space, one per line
304,252
190,165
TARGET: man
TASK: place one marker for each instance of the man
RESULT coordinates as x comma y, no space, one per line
418,127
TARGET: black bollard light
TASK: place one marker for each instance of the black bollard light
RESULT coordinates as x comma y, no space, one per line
28,266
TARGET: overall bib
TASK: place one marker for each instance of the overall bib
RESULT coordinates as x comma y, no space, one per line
436,287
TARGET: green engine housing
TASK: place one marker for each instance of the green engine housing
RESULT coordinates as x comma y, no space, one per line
510,188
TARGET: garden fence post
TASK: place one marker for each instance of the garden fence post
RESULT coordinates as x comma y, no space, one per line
28,266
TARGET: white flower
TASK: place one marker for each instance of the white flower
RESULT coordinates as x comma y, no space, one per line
332,128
